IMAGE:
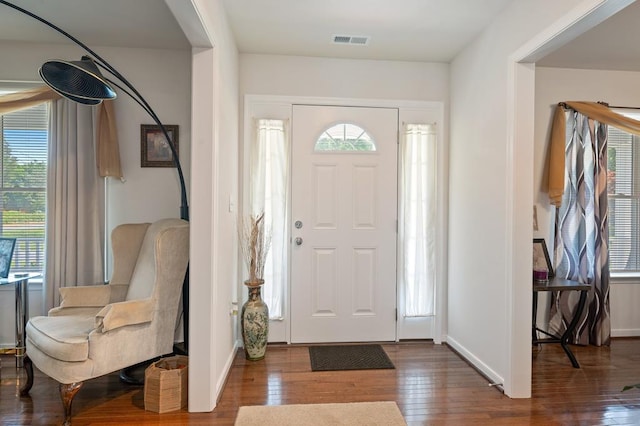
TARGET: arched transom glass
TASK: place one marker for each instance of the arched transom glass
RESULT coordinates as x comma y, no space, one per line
345,137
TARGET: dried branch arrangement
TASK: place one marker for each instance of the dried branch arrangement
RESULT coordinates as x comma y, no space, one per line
255,240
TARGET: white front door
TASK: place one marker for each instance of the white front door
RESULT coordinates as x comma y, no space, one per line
344,214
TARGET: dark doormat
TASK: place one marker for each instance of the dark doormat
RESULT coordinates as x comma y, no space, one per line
348,357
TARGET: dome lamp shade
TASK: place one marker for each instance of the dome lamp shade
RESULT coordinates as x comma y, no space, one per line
80,81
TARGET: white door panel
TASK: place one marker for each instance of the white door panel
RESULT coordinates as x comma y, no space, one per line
343,273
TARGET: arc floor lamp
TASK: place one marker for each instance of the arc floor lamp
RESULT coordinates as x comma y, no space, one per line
82,82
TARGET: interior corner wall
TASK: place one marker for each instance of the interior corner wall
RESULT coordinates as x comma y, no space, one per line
555,85
481,256
226,193
215,118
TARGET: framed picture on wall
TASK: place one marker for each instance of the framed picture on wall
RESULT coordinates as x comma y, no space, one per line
541,259
6,254
154,148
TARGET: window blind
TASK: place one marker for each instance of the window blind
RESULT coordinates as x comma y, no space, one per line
23,178
623,189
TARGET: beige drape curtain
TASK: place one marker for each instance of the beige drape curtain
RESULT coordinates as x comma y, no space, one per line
75,219
108,152
596,111
26,99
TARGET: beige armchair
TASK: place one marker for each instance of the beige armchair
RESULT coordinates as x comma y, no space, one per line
100,329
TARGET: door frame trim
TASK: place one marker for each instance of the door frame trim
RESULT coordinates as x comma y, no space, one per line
280,107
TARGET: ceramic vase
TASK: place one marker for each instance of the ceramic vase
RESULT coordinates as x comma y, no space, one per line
255,322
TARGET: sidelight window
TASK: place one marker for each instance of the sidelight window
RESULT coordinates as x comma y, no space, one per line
269,183
417,221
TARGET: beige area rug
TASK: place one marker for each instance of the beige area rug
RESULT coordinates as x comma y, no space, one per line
384,413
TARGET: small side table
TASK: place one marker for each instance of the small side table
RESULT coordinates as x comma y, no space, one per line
21,282
559,284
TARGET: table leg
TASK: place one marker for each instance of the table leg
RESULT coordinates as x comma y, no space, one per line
22,314
572,325
534,311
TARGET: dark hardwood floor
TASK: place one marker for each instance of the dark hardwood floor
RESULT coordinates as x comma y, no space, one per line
431,385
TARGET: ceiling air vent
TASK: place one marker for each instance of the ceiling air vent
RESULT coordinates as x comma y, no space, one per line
350,39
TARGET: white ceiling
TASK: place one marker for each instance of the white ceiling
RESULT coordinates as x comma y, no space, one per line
132,23
410,30
612,45
403,30
406,30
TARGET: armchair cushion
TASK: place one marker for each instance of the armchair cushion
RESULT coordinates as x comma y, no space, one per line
90,295
65,338
121,314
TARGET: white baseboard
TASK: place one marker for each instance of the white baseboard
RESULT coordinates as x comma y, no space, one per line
227,368
493,377
625,332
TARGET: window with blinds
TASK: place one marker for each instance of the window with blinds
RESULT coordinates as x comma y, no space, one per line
623,188
23,178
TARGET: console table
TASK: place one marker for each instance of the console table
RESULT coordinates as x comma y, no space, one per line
21,282
559,284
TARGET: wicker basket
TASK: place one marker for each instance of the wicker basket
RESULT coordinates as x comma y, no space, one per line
165,384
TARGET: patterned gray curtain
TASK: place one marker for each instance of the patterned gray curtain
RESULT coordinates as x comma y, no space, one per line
582,233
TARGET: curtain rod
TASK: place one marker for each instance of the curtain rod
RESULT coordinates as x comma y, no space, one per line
623,107
564,105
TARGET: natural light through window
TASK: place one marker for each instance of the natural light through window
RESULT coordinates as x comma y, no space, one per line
623,190
417,222
23,178
269,183
345,137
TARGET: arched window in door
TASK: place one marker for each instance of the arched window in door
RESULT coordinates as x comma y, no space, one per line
345,137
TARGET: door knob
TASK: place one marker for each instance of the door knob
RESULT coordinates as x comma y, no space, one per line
298,241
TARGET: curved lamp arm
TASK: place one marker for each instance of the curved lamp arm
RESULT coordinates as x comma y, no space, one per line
126,87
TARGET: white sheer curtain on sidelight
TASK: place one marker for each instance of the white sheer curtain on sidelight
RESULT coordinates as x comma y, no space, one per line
416,227
269,175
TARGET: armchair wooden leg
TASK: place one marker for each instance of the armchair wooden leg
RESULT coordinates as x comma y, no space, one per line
28,367
67,392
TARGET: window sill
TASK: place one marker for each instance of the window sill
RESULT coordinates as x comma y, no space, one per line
34,284
625,278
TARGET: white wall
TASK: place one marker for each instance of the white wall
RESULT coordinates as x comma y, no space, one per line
215,115
164,79
554,85
487,324
343,78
